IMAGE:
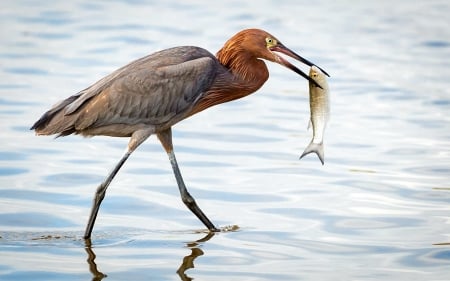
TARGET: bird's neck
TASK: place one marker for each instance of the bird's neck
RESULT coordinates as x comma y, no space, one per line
243,65
244,75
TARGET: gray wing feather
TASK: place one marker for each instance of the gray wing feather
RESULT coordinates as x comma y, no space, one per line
157,89
153,96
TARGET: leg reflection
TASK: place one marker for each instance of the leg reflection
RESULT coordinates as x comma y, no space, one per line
188,261
96,275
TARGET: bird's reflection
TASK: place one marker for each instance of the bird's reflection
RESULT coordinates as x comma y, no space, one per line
187,263
96,275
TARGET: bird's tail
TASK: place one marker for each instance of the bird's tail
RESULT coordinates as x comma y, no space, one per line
55,121
316,148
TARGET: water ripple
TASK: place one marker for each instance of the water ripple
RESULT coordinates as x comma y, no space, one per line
377,210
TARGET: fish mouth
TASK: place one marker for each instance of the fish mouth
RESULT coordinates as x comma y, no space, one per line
286,51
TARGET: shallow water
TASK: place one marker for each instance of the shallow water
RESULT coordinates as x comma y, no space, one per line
377,210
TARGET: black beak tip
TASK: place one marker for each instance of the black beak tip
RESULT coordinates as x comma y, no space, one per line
324,72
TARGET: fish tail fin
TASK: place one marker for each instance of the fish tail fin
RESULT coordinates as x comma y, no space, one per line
317,148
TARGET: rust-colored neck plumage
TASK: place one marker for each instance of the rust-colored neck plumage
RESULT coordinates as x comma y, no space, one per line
248,73
238,56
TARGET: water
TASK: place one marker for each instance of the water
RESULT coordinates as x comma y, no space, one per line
377,210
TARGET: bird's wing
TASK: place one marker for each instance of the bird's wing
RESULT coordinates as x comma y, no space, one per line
148,95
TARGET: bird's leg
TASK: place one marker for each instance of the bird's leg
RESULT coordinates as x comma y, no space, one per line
136,139
186,197
100,194
166,140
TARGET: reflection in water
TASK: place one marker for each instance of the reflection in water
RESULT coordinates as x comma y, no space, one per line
187,263
96,275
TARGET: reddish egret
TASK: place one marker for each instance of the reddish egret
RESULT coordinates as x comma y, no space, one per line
151,94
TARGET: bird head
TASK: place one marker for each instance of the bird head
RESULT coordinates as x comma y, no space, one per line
265,46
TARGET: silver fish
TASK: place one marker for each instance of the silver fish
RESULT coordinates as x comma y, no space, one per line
320,111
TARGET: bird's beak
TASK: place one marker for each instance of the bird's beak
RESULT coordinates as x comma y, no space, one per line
284,50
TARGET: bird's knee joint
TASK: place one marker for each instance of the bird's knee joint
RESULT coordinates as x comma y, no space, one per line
100,194
139,137
99,197
188,201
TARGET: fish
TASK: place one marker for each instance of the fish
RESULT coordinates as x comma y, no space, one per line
319,111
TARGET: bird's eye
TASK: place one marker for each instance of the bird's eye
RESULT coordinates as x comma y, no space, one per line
270,41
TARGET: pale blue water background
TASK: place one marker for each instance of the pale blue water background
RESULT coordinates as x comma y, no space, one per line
379,209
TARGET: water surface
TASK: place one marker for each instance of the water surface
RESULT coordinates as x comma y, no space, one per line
377,210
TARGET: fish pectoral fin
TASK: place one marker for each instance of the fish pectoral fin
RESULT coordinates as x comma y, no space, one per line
317,148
